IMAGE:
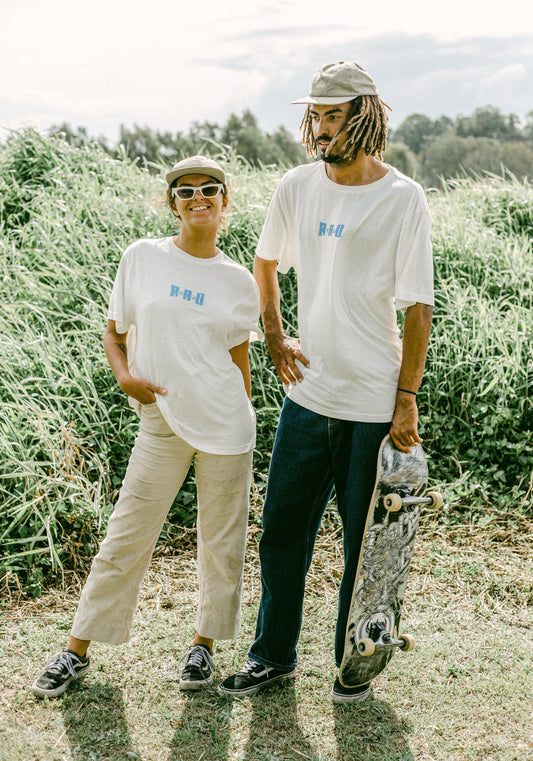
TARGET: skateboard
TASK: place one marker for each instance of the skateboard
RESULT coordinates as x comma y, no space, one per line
386,551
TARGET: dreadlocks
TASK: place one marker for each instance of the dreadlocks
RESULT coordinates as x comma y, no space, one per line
365,127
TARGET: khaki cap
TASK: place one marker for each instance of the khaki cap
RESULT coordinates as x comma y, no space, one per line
196,165
339,83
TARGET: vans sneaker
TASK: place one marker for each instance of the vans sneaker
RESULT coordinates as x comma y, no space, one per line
198,669
59,673
251,678
342,694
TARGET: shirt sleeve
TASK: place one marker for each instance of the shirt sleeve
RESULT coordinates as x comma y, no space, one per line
414,261
275,242
120,309
244,325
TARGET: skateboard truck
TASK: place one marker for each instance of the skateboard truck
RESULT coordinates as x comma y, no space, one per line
394,502
380,639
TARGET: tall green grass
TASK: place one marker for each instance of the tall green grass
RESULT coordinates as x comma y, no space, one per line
478,386
67,213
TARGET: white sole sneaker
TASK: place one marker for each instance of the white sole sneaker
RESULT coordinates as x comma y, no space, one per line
342,694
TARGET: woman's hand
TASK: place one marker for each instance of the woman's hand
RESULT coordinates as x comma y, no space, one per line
141,390
117,354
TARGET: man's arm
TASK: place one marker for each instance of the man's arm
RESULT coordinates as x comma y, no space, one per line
283,350
404,428
115,349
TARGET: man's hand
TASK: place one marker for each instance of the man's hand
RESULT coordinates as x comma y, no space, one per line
404,427
284,352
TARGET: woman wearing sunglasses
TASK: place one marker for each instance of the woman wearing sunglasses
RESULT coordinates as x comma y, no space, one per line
179,323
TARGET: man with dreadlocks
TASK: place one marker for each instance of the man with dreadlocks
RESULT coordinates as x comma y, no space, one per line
357,232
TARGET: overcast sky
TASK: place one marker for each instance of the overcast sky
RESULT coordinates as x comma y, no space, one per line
166,63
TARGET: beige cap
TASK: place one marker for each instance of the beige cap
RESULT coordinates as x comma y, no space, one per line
339,83
196,165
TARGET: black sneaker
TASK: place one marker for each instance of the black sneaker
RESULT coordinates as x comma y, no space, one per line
252,677
342,694
198,669
59,673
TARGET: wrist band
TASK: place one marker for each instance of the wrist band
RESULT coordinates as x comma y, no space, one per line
405,391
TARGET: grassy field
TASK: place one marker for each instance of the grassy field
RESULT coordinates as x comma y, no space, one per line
463,694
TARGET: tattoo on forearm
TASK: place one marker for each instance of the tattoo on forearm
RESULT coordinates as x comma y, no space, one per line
123,349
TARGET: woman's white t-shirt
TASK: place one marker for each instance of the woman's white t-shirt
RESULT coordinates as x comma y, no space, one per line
182,315
360,253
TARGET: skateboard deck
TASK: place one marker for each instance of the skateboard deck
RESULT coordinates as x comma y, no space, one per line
383,568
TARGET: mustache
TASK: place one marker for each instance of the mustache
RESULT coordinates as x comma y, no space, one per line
323,138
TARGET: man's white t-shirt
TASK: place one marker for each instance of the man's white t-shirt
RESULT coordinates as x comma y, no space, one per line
360,253
183,314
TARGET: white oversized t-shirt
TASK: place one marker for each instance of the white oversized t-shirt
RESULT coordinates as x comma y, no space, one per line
182,314
360,253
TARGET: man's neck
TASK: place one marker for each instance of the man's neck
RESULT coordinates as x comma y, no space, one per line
363,171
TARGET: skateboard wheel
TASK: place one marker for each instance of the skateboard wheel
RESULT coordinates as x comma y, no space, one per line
408,643
366,646
393,502
436,500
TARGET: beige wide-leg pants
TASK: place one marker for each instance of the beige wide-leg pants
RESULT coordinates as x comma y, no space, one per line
158,465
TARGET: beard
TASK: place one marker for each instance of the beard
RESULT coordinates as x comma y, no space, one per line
337,156
333,158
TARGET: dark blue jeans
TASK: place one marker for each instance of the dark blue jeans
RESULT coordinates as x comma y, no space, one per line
312,455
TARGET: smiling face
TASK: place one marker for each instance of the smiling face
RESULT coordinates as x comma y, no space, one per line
199,210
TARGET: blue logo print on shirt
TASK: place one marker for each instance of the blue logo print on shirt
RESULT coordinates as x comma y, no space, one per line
330,230
187,295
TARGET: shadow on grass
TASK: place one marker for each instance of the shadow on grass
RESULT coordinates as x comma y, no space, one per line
371,731
95,724
274,728
205,726
203,729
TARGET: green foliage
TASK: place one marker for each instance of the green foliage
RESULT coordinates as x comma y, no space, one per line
400,156
478,384
485,142
415,132
453,157
240,135
428,150
66,214
489,122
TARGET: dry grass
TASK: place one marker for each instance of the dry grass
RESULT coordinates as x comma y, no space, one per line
461,695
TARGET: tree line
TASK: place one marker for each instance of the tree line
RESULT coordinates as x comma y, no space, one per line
425,149
486,141
240,135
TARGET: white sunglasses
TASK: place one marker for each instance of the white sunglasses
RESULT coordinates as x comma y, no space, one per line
186,192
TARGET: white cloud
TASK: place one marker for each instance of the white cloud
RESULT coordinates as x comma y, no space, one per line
509,75
167,63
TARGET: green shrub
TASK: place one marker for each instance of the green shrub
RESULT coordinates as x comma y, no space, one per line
478,384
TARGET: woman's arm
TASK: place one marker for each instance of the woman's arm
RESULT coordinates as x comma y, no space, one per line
240,357
115,348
